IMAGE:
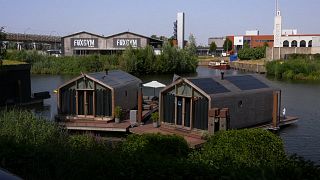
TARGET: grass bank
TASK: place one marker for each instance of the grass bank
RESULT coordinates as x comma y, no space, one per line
297,67
135,61
34,148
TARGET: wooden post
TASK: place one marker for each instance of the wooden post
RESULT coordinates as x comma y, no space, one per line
94,103
77,102
183,111
275,110
94,99
85,103
175,105
140,99
212,115
224,113
58,101
191,108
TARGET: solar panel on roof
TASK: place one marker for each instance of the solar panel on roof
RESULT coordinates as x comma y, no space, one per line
246,82
209,85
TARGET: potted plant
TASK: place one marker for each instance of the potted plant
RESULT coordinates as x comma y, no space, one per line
155,119
117,114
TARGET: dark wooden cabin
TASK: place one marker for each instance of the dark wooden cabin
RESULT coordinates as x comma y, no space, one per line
16,84
200,104
94,96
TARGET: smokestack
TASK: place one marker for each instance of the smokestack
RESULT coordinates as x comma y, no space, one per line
222,75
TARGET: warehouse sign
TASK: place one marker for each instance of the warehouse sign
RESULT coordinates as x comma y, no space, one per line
84,42
125,42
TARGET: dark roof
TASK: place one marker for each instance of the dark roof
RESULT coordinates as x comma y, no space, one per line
209,86
128,32
114,78
74,34
32,37
246,82
230,84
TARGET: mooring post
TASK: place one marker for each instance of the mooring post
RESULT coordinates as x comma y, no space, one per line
140,95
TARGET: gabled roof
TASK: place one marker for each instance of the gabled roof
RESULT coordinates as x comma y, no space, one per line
70,35
230,84
114,78
128,32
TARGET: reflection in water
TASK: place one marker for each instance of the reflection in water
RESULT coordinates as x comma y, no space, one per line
300,99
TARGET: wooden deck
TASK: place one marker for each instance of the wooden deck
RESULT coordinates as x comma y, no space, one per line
283,122
193,140
87,125
107,125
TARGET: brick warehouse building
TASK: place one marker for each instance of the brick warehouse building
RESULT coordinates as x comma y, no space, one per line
253,41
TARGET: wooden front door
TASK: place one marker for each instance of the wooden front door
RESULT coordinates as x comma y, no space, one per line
183,112
85,103
179,110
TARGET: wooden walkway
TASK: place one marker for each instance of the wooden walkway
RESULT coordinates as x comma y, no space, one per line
87,125
283,122
194,141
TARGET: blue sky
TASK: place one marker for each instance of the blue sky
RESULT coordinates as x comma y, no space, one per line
204,18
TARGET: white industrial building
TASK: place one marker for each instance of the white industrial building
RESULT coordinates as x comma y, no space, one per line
180,29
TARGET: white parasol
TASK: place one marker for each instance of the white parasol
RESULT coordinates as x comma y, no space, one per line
154,85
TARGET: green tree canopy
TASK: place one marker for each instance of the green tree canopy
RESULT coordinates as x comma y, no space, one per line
213,47
2,49
227,45
246,45
192,45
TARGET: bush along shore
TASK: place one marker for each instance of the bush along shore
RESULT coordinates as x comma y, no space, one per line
135,61
34,148
296,67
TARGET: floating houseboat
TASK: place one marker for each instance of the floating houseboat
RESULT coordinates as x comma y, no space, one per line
94,96
210,104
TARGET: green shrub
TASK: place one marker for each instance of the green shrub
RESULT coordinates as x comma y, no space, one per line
117,112
155,116
251,53
242,148
298,69
156,145
136,61
24,127
34,148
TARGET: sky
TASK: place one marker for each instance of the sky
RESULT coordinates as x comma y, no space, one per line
203,18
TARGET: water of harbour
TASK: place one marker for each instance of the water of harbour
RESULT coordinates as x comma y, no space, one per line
299,98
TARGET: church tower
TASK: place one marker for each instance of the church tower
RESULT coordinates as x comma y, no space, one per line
277,31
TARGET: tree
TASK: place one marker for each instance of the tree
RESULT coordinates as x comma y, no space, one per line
154,36
213,47
192,46
246,45
227,45
2,47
